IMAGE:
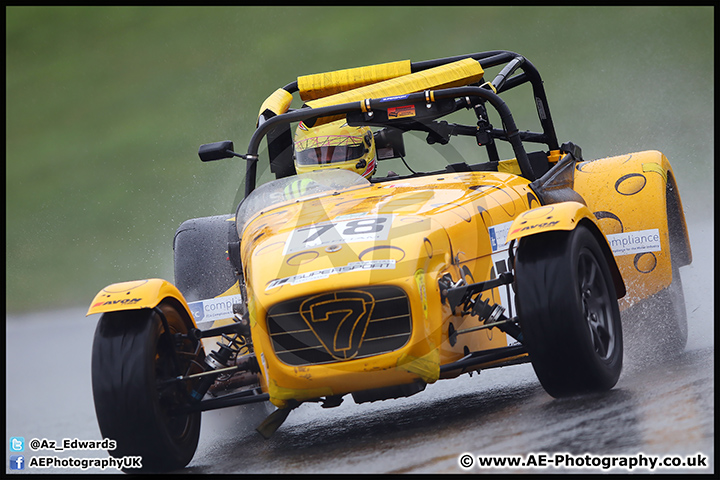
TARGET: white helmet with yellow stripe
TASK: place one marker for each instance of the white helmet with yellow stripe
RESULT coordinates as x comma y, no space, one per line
335,145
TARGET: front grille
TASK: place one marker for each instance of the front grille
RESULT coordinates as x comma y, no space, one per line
339,326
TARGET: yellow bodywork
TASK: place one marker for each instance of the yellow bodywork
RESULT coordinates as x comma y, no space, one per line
439,225
404,236
459,224
455,223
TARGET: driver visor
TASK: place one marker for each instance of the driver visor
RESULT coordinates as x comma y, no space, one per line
332,154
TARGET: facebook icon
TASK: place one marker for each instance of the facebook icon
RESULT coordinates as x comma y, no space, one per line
17,462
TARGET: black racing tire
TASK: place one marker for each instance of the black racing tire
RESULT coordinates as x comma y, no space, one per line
667,310
568,312
202,265
658,327
131,355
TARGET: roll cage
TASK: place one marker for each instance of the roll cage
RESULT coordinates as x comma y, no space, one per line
427,106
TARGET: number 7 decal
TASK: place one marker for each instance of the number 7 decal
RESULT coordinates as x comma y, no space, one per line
339,320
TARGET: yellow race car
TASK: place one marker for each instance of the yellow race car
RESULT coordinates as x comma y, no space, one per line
343,277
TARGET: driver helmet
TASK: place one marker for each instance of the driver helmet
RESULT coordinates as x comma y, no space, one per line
335,145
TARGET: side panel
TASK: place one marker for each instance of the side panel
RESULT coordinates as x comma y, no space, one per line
628,195
477,225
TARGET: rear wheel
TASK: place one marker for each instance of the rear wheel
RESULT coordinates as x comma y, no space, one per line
568,312
132,356
657,327
667,308
202,266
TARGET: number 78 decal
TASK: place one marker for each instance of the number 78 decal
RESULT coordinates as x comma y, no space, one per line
355,229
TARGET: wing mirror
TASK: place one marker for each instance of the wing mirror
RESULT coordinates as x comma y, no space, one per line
389,143
217,151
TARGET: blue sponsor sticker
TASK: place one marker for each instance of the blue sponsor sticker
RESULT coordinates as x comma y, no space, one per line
396,97
498,236
493,239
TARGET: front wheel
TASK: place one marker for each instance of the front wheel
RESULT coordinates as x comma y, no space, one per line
132,357
568,312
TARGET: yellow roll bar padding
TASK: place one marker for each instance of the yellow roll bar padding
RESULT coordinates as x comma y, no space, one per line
135,295
323,84
277,103
462,72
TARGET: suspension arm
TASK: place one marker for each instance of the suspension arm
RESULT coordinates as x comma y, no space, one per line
457,296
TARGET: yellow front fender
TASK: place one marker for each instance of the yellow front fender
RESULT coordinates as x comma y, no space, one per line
135,295
557,216
565,216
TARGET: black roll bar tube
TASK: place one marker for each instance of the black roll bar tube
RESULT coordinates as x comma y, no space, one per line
486,60
289,117
502,82
512,134
529,74
499,80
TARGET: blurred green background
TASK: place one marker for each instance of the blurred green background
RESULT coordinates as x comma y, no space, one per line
106,107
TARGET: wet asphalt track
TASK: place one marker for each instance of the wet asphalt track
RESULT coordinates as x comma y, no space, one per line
657,409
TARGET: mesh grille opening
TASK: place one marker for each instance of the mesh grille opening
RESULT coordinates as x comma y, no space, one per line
338,326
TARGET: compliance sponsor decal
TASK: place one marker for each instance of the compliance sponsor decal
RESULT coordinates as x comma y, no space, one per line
214,309
629,243
498,236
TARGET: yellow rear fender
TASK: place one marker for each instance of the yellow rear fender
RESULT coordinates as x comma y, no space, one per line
139,294
565,216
